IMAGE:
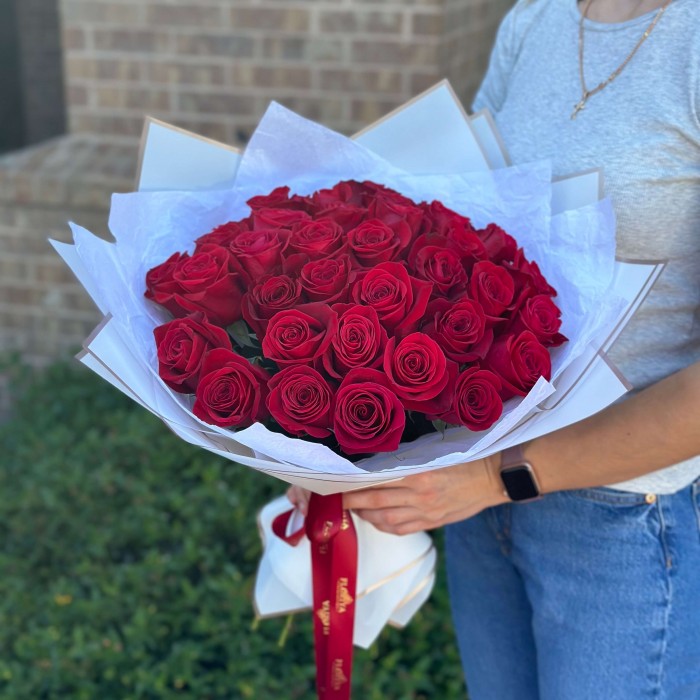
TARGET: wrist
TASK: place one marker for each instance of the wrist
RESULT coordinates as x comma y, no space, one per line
494,485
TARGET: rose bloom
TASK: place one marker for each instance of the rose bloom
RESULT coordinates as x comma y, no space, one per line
420,374
368,416
345,215
399,299
359,342
181,345
231,392
459,328
441,220
467,245
534,279
222,235
477,403
279,199
274,219
492,286
519,361
265,299
204,282
300,400
374,242
327,279
499,245
348,192
317,239
430,259
301,335
397,212
540,315
259,252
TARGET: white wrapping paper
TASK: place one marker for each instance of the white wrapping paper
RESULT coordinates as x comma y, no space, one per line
565,227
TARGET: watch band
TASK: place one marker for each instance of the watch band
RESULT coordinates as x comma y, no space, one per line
513,457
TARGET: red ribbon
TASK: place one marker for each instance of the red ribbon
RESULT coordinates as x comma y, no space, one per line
334,569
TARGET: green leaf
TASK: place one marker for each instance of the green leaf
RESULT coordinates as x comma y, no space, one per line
440,426
242,335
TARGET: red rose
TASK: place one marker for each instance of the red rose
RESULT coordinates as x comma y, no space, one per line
467,245
345,215
203,282
532,279
259,252
367,414
279,199
441,220
300,400
519,361
348,192
540,315
399,299
231,391
492,286
181,346
160,286
499,245
326,280
222,235
317,239
459,328
431,260
373,190
397,212
420,374
374,242
266,298
301,335
477,403
359,342
264,219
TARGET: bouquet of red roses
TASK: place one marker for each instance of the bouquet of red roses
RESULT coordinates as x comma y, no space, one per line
354,316
346,318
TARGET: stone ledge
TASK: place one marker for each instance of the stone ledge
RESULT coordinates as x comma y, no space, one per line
77,170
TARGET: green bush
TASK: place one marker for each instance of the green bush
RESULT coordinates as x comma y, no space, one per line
127,562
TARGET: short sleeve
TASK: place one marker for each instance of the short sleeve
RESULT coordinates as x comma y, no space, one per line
492,92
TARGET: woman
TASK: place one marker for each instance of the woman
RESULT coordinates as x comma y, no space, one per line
591,591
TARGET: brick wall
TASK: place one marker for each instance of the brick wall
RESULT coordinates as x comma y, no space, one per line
212,66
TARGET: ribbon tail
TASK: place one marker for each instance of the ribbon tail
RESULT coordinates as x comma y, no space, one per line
334,567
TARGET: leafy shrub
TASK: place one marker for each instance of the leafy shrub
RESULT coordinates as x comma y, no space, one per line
128,559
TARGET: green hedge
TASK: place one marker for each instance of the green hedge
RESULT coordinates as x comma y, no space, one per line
127,561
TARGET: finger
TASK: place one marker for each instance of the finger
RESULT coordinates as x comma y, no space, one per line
401,522
389,517
375,498
299,498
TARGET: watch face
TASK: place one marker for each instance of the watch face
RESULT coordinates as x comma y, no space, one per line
519,483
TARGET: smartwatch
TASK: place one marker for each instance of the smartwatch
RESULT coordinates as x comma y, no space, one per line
518,476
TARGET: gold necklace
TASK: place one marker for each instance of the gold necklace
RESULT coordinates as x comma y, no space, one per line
585,92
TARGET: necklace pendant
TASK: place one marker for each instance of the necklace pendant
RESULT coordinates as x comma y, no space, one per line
578,107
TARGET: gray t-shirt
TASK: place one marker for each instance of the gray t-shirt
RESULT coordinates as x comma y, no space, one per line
644,130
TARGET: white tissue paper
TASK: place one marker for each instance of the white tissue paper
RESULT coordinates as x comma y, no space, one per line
565,226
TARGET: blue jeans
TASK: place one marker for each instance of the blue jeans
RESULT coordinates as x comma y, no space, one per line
583,595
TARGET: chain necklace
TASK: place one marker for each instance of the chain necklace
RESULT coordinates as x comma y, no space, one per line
585,92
